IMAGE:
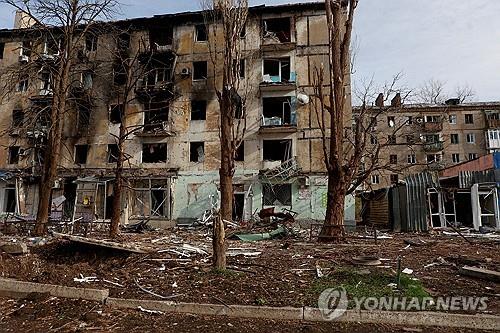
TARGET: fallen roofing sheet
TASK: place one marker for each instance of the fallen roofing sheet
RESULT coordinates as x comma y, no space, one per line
258,237
100,243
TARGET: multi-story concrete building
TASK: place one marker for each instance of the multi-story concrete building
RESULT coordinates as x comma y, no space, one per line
173,161
419,137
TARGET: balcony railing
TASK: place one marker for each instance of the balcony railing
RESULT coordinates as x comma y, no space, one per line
431,127
493,123
433,146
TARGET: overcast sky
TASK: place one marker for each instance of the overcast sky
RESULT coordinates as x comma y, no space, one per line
453,41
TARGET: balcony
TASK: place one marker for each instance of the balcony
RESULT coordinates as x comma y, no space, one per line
432,127
436,165
493,123
278,115
433,146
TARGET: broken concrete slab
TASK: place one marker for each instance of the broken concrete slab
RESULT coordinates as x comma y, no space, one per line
480,273
16,289
101,243
14,248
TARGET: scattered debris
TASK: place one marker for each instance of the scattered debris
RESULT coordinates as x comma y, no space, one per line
415,242
114,283
440,261
100,243
480,273
87,279
366,261
150,311
280,231
14,248
407,271
155,294
319,273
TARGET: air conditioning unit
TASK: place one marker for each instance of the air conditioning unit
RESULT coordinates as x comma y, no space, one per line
185,72
23,58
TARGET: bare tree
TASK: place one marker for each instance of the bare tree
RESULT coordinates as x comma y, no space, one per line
434,92
225,21
63,26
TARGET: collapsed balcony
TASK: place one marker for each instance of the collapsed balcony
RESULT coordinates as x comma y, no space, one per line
161,38
277,34
158,77
278,115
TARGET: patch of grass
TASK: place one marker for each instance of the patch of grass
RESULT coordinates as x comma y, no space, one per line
226,273
375,284
260,301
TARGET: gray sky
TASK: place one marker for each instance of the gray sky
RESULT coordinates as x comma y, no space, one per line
449,40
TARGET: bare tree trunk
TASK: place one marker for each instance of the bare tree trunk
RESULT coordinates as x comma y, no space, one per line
219,244
227,165
334,220
117,192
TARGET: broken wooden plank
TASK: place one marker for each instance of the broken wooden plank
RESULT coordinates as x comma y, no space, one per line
101,243
480,273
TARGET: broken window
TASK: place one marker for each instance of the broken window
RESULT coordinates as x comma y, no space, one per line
90,42
51,46
198,110
45,84
432,119
197,151
154,153
17,118
393,159
81,152
9,204
200,70
123,42
277,194
87,80
472,156
239,154
277,29
23,84
375,179
409,120
454,138
200,33
277,150
2,48
161,37
394,178
452,119
113,153
155,116
151,198
119,74
83,117
455,158
277,111
412,159
433,158
431,138
116,113
14,155
26,49
277,70
469,119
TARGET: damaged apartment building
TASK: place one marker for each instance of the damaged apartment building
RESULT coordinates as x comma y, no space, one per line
430,137
173,151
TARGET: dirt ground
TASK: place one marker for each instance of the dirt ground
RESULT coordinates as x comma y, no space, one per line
46,314
279,272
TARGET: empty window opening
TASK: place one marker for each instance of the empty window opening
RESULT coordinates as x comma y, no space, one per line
81,152
51,46
119,74
113,153
156,116
238,206
455,158
161,37
433,158
154,153
200,70
431,138
277,150
277,111
200,33
472,156
197,151
277,29
198,110
17,118
469,119
83,117
9,204
432,119
151,198
412,159
452,119
116,113
393,159
23,84
277,70
375,179
87,80
14,155
26,49
123,42
277,194
394,178
239,154
454,138
91,42
471,138
45,84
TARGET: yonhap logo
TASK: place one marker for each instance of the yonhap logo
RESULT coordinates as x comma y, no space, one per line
333,303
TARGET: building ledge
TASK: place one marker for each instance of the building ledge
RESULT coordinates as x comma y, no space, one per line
278,129
277,86
267,46
158,134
